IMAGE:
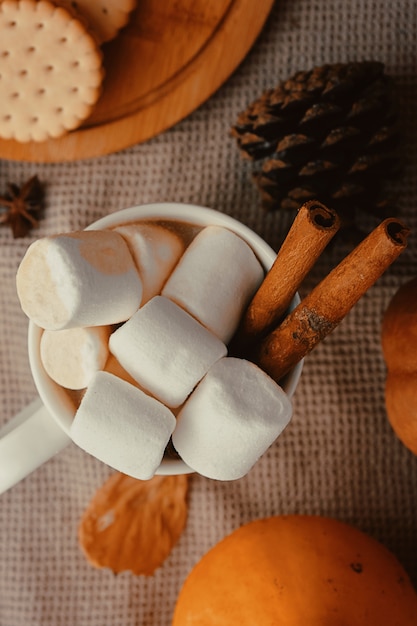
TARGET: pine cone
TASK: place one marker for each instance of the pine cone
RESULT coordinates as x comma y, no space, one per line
329,134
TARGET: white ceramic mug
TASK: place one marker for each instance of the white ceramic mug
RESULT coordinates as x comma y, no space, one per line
42,429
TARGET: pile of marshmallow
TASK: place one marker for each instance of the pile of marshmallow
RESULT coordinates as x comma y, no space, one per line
141,323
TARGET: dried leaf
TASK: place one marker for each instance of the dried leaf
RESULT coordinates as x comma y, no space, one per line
132,524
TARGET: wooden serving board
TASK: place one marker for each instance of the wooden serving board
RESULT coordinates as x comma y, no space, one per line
167,61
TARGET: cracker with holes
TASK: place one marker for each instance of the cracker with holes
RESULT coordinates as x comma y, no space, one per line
50,71
105,17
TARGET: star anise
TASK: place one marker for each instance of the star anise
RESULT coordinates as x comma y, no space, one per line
22,206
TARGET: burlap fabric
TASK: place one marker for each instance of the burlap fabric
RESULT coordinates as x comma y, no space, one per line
339,456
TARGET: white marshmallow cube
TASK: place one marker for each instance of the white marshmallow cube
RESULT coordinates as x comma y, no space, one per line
85,278
215,280
122,426
155,250
166,350
72,356
230,420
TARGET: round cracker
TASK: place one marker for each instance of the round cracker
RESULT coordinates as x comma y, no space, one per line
105,17
50,70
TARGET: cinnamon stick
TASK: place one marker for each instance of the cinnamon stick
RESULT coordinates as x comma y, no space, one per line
311,231
328,303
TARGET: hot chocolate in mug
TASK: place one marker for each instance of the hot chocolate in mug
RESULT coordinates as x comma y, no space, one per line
42,429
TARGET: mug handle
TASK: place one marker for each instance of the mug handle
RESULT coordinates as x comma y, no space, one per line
28,440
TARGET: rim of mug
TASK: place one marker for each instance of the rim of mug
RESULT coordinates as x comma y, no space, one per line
55,398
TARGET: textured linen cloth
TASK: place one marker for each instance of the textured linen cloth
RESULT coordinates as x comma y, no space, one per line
338,457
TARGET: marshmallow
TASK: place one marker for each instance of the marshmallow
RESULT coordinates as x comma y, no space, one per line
121,426
155,250
232,417
215,279
166,350
85,278
71,357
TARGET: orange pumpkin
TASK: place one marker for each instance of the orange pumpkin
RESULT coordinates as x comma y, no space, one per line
297,570
399,346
